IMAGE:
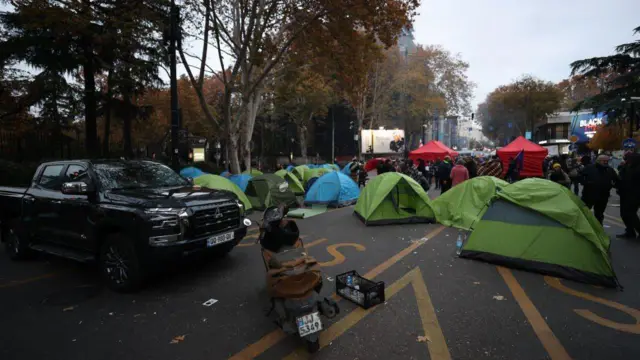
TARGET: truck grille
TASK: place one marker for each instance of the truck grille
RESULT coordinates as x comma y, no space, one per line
215,219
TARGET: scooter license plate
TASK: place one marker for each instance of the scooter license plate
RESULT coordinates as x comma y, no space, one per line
309,324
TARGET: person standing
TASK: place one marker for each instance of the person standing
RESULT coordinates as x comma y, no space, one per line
629,191
575,168
444,174
459,173
513,174
598,179
557,175
434,170
471,166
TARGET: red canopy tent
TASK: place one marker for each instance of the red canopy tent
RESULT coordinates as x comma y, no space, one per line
373,163
534,155
431,151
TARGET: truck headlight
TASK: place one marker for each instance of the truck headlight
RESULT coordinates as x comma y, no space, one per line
167,224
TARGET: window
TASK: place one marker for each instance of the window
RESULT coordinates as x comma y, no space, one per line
136,175
76,173
50,178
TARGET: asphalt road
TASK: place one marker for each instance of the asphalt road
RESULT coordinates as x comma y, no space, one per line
438,306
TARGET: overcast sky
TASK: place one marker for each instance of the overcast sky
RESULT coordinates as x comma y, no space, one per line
503,39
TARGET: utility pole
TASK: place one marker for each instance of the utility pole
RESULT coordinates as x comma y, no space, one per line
175,115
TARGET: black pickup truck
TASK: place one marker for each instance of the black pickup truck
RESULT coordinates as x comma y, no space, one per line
129,216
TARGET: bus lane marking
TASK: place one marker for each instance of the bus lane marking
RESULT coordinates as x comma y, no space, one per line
274,337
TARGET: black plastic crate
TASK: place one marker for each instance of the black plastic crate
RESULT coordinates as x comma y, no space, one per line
363,292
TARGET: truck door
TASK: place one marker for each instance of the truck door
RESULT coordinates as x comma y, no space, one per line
45,196
76,212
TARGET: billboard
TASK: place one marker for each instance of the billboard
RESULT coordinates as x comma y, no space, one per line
383,141
584,126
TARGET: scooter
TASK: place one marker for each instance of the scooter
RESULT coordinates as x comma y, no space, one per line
294,279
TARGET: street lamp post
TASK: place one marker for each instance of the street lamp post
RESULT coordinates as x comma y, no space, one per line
333,134
175,116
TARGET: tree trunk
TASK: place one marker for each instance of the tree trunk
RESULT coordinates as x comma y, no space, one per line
107,116
126,127
302,136
233,154
232,133
90,125
251,105
90,112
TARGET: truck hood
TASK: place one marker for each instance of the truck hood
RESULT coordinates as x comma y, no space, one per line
169,197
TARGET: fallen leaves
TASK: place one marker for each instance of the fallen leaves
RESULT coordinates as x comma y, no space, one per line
177,339
423,339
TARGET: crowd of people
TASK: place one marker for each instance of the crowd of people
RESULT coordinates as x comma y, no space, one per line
596,178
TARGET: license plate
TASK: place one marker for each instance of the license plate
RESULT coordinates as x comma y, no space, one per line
219,239
309,324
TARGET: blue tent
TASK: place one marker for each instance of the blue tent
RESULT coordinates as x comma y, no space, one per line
333,189
331,167
347,169
225,174
191,172
242,180
290,168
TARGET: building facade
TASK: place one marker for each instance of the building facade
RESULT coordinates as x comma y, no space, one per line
564,130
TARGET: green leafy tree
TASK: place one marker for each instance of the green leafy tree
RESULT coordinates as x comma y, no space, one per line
512,109
619,77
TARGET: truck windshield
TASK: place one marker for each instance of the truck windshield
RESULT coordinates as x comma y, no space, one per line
137,174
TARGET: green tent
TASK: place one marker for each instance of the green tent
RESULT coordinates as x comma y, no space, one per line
464,204
221,183
393,198
315,173
253,172
294,184
269,190
300,171
538,225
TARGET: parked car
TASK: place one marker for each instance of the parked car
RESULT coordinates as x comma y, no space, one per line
128,216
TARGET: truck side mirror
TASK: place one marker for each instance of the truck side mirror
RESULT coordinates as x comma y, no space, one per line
75,188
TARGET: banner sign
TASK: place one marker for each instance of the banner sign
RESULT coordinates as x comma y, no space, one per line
383,141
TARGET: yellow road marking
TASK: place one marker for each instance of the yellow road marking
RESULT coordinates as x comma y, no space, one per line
548,339
587,314
278,335
338,258
613,217
26,281
614,220
437,345
314,243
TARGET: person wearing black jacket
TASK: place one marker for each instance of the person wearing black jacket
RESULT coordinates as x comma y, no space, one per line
598,179
444,174
629,191
471,166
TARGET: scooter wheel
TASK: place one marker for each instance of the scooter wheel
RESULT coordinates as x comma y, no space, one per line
313,346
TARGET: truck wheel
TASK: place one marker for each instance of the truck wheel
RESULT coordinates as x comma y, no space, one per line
119,264
17,248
